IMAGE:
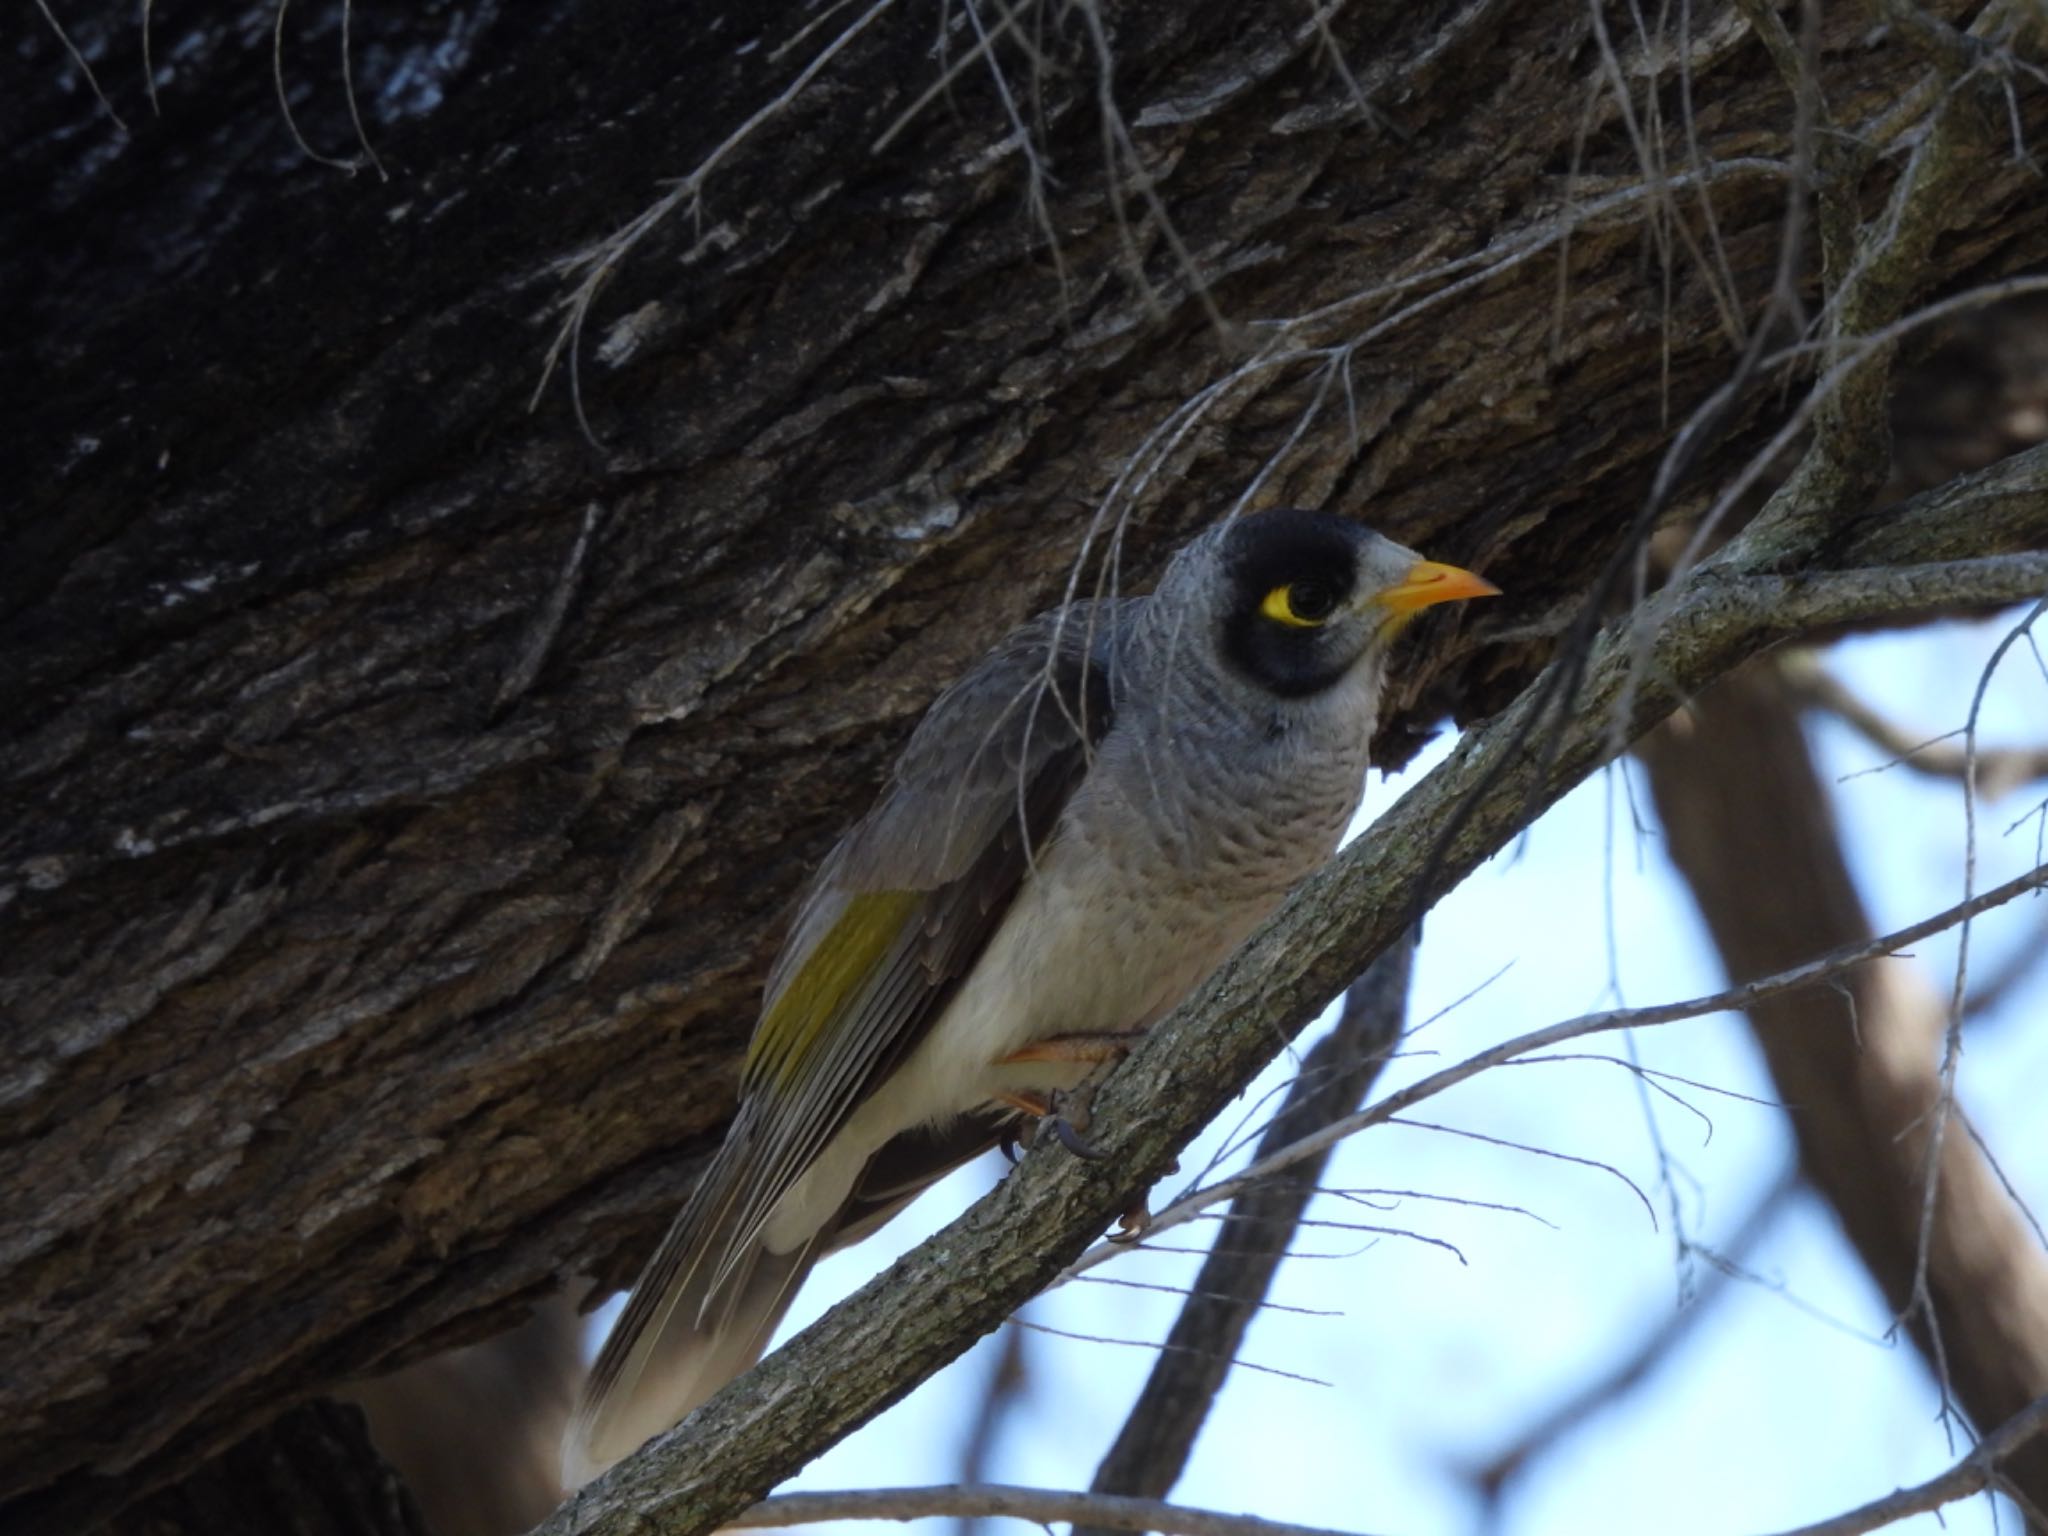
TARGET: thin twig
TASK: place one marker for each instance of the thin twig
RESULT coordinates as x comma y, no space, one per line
1042,1506
1735,999
1974,1474
91,80
1152,1448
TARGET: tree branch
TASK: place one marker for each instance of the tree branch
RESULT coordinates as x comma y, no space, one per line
1974,1474
1733,999
1999,770
929,1306
1152,1449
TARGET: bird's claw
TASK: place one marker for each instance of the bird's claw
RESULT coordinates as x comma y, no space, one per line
1073,1140
1135,1221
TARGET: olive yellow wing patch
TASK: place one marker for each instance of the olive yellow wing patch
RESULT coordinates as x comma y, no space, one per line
868,929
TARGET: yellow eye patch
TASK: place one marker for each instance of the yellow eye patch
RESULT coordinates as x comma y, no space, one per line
1299,604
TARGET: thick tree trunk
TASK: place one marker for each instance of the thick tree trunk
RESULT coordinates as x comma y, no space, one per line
400,792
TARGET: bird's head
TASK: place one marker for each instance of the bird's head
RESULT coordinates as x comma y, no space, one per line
1295,601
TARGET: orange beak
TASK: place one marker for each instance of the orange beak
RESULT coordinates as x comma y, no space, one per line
1428,583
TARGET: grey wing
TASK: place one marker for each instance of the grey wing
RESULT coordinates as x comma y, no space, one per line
1041,699
973,797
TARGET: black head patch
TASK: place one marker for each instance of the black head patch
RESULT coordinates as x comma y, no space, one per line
1313,553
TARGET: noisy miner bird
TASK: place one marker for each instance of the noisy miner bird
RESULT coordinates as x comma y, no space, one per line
1078,832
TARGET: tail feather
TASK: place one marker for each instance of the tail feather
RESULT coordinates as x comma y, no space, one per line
648,1377
709,1300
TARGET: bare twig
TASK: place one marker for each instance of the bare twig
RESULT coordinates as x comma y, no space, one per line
1922,1299
1040,1505
597,264
91,80
547,623
284,99
1974,1474
1729,1000
1749,826
1152,1448
2000,770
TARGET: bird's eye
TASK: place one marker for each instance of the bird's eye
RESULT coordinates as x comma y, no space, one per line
1300,604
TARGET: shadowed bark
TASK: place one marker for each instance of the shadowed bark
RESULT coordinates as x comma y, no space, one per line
1750,826
313,1472
399,793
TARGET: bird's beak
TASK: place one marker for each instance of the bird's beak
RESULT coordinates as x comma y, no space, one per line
1428,583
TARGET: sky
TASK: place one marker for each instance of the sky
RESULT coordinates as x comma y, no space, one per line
1785,1401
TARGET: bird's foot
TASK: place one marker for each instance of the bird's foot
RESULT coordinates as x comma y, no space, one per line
1020,1134
1066,1114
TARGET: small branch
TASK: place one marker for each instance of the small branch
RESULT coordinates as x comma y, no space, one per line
547,623
1999,770
1152,1449
1974,1474
1042,1506
1731,1000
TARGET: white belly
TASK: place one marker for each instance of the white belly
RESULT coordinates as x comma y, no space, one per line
1129,908
1073,956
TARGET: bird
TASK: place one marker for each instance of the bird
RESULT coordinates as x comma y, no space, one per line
1076,834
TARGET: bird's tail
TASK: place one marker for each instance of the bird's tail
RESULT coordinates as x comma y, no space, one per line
676,1352
709,1300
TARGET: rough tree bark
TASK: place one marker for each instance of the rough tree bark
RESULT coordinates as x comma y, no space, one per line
399,790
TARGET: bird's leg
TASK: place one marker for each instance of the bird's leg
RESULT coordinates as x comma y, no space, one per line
1093,1048
1067,1111
1036,1105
